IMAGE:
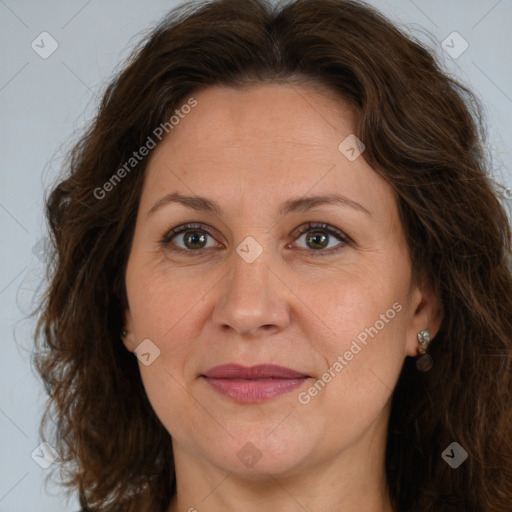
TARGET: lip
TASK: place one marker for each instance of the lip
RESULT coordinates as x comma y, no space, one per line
254,384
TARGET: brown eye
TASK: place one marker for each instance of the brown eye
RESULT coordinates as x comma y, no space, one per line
317,239
320,237
193,240
187,238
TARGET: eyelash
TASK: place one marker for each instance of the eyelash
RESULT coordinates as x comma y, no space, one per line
310,226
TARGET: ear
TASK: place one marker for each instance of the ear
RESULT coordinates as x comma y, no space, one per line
426,313
129,339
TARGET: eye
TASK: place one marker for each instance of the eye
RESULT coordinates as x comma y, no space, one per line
317,238
194,238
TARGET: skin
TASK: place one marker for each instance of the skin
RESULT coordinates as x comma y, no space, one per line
250,150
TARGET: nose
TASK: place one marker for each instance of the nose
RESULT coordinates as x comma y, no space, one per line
252,298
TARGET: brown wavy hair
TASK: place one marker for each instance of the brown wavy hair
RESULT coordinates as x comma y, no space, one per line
423,133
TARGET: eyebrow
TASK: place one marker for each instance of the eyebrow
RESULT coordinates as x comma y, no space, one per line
302,204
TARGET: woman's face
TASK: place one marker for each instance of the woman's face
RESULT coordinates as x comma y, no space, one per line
250,284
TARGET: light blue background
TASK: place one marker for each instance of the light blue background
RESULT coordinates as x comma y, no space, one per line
43,104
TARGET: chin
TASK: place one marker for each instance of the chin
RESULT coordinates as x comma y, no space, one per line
253,455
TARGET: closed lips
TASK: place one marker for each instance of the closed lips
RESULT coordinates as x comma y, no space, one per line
263,371
254,384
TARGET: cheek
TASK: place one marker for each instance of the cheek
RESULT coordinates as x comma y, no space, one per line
365,348
360,304
170,400
164,310
162,302
169,310
362,365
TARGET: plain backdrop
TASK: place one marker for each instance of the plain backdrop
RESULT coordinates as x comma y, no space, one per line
45,102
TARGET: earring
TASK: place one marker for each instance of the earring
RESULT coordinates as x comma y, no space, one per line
124,333
423,341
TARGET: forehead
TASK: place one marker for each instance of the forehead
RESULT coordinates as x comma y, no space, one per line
271,141
295,113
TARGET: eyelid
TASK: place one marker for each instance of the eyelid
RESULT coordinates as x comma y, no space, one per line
331,230
343,238
168,235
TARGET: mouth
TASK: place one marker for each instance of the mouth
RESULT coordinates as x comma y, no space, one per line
253,384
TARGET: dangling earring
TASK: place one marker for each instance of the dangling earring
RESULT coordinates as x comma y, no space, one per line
424,362
423,341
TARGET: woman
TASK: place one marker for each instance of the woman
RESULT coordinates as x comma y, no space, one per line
284,214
